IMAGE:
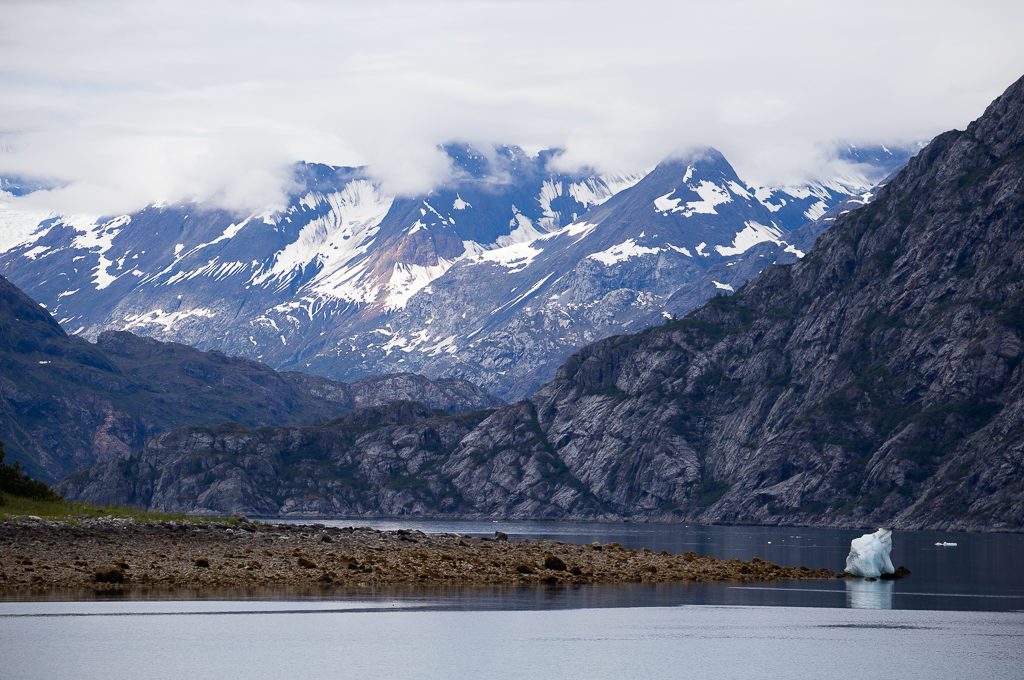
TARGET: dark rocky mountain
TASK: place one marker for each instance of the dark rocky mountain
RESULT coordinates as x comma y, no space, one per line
66,403
876,381
496,276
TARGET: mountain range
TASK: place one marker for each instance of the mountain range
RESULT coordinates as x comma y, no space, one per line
875,381
66,403
496,276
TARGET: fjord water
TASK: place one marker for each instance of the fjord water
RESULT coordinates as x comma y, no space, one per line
392,639
960,614
982,572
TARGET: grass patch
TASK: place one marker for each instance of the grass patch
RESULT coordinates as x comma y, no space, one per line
15,506
21,496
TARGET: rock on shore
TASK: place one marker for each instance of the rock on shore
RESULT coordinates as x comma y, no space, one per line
105,554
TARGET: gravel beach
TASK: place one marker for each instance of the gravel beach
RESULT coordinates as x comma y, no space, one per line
107,554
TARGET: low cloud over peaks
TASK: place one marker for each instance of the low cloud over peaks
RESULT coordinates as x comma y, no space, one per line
125,103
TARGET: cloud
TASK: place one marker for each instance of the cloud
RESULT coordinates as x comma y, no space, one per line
127,102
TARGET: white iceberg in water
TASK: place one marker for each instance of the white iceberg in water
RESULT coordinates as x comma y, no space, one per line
869,555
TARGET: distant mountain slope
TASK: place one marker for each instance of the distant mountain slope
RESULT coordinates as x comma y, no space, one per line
66,403
347,281
689,230
876,381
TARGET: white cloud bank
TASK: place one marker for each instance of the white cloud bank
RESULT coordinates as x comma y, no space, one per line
130,102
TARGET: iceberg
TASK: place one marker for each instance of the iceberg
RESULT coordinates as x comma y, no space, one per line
869,555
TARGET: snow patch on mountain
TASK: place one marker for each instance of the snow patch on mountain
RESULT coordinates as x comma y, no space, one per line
158,317
345,230
523,231
519,298
98,239
581,229
711,195
596,190
588,192
816,210
35,251
752,234
515,257
408,279
764,196
738,189
679,249
622,252
229,232
213,269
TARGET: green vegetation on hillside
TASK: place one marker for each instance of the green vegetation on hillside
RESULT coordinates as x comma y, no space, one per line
19,506
20,495
14,482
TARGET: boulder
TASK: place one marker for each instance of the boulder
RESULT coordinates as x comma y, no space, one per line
109,574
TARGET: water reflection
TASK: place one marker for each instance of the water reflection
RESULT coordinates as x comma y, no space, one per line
864,594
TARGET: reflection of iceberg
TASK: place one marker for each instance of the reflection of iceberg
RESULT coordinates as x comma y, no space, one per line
869,555
861,594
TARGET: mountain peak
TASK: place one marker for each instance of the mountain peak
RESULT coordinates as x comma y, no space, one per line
707,164
348,281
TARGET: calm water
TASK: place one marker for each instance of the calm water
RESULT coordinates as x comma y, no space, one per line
959,615
381,638
984,572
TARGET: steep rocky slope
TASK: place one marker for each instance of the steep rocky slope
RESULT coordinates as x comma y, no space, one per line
66,403
877,380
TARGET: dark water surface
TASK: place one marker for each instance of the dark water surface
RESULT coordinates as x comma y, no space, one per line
983,572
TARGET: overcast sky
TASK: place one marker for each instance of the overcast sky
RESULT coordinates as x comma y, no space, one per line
130,102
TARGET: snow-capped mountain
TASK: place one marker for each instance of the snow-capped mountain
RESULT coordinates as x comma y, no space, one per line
496,276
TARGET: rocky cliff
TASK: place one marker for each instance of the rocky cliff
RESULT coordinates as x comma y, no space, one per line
66,403
875,381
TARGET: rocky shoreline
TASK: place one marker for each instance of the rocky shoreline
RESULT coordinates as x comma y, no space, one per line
119,555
